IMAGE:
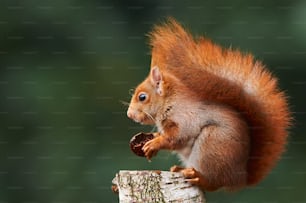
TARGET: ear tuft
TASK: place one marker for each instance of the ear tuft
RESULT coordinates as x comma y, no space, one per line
156,79
155,75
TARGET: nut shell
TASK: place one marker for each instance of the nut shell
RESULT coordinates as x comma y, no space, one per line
138,141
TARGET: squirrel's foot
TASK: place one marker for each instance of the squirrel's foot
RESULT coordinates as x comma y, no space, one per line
176,168
191,175
194,177
115,189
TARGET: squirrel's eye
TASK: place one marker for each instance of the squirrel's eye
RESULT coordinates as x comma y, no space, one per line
142,97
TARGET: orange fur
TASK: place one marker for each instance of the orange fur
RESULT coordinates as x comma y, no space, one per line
228,77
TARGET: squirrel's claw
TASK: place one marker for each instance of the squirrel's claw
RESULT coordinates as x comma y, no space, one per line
194,181
151,148
191,175
176,168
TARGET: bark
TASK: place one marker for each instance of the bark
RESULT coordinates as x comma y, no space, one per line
155,186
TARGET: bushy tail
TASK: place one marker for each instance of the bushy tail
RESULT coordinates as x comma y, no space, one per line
231,78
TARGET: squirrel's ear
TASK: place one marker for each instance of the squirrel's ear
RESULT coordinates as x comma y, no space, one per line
156,79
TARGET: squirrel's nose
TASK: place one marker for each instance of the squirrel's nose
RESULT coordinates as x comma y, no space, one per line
129,113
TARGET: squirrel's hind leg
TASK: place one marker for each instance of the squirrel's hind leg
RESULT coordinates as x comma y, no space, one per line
194,177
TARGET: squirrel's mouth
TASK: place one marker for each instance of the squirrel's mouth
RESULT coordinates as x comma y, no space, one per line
144,120
140,117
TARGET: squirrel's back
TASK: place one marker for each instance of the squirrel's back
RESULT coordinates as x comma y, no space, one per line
228,77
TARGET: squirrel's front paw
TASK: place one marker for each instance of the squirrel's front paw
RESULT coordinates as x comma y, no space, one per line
152,147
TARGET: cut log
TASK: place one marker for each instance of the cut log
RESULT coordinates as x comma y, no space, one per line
155,186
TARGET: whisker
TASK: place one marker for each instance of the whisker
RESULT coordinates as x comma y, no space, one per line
125,103
154,129
131,91
149,115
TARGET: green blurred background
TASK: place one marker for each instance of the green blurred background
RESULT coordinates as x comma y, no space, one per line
66,65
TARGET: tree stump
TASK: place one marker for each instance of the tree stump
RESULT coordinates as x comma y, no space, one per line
155,186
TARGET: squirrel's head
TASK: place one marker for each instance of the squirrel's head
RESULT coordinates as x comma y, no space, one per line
148,99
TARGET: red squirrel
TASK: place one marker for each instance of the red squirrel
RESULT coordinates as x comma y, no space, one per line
220,110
